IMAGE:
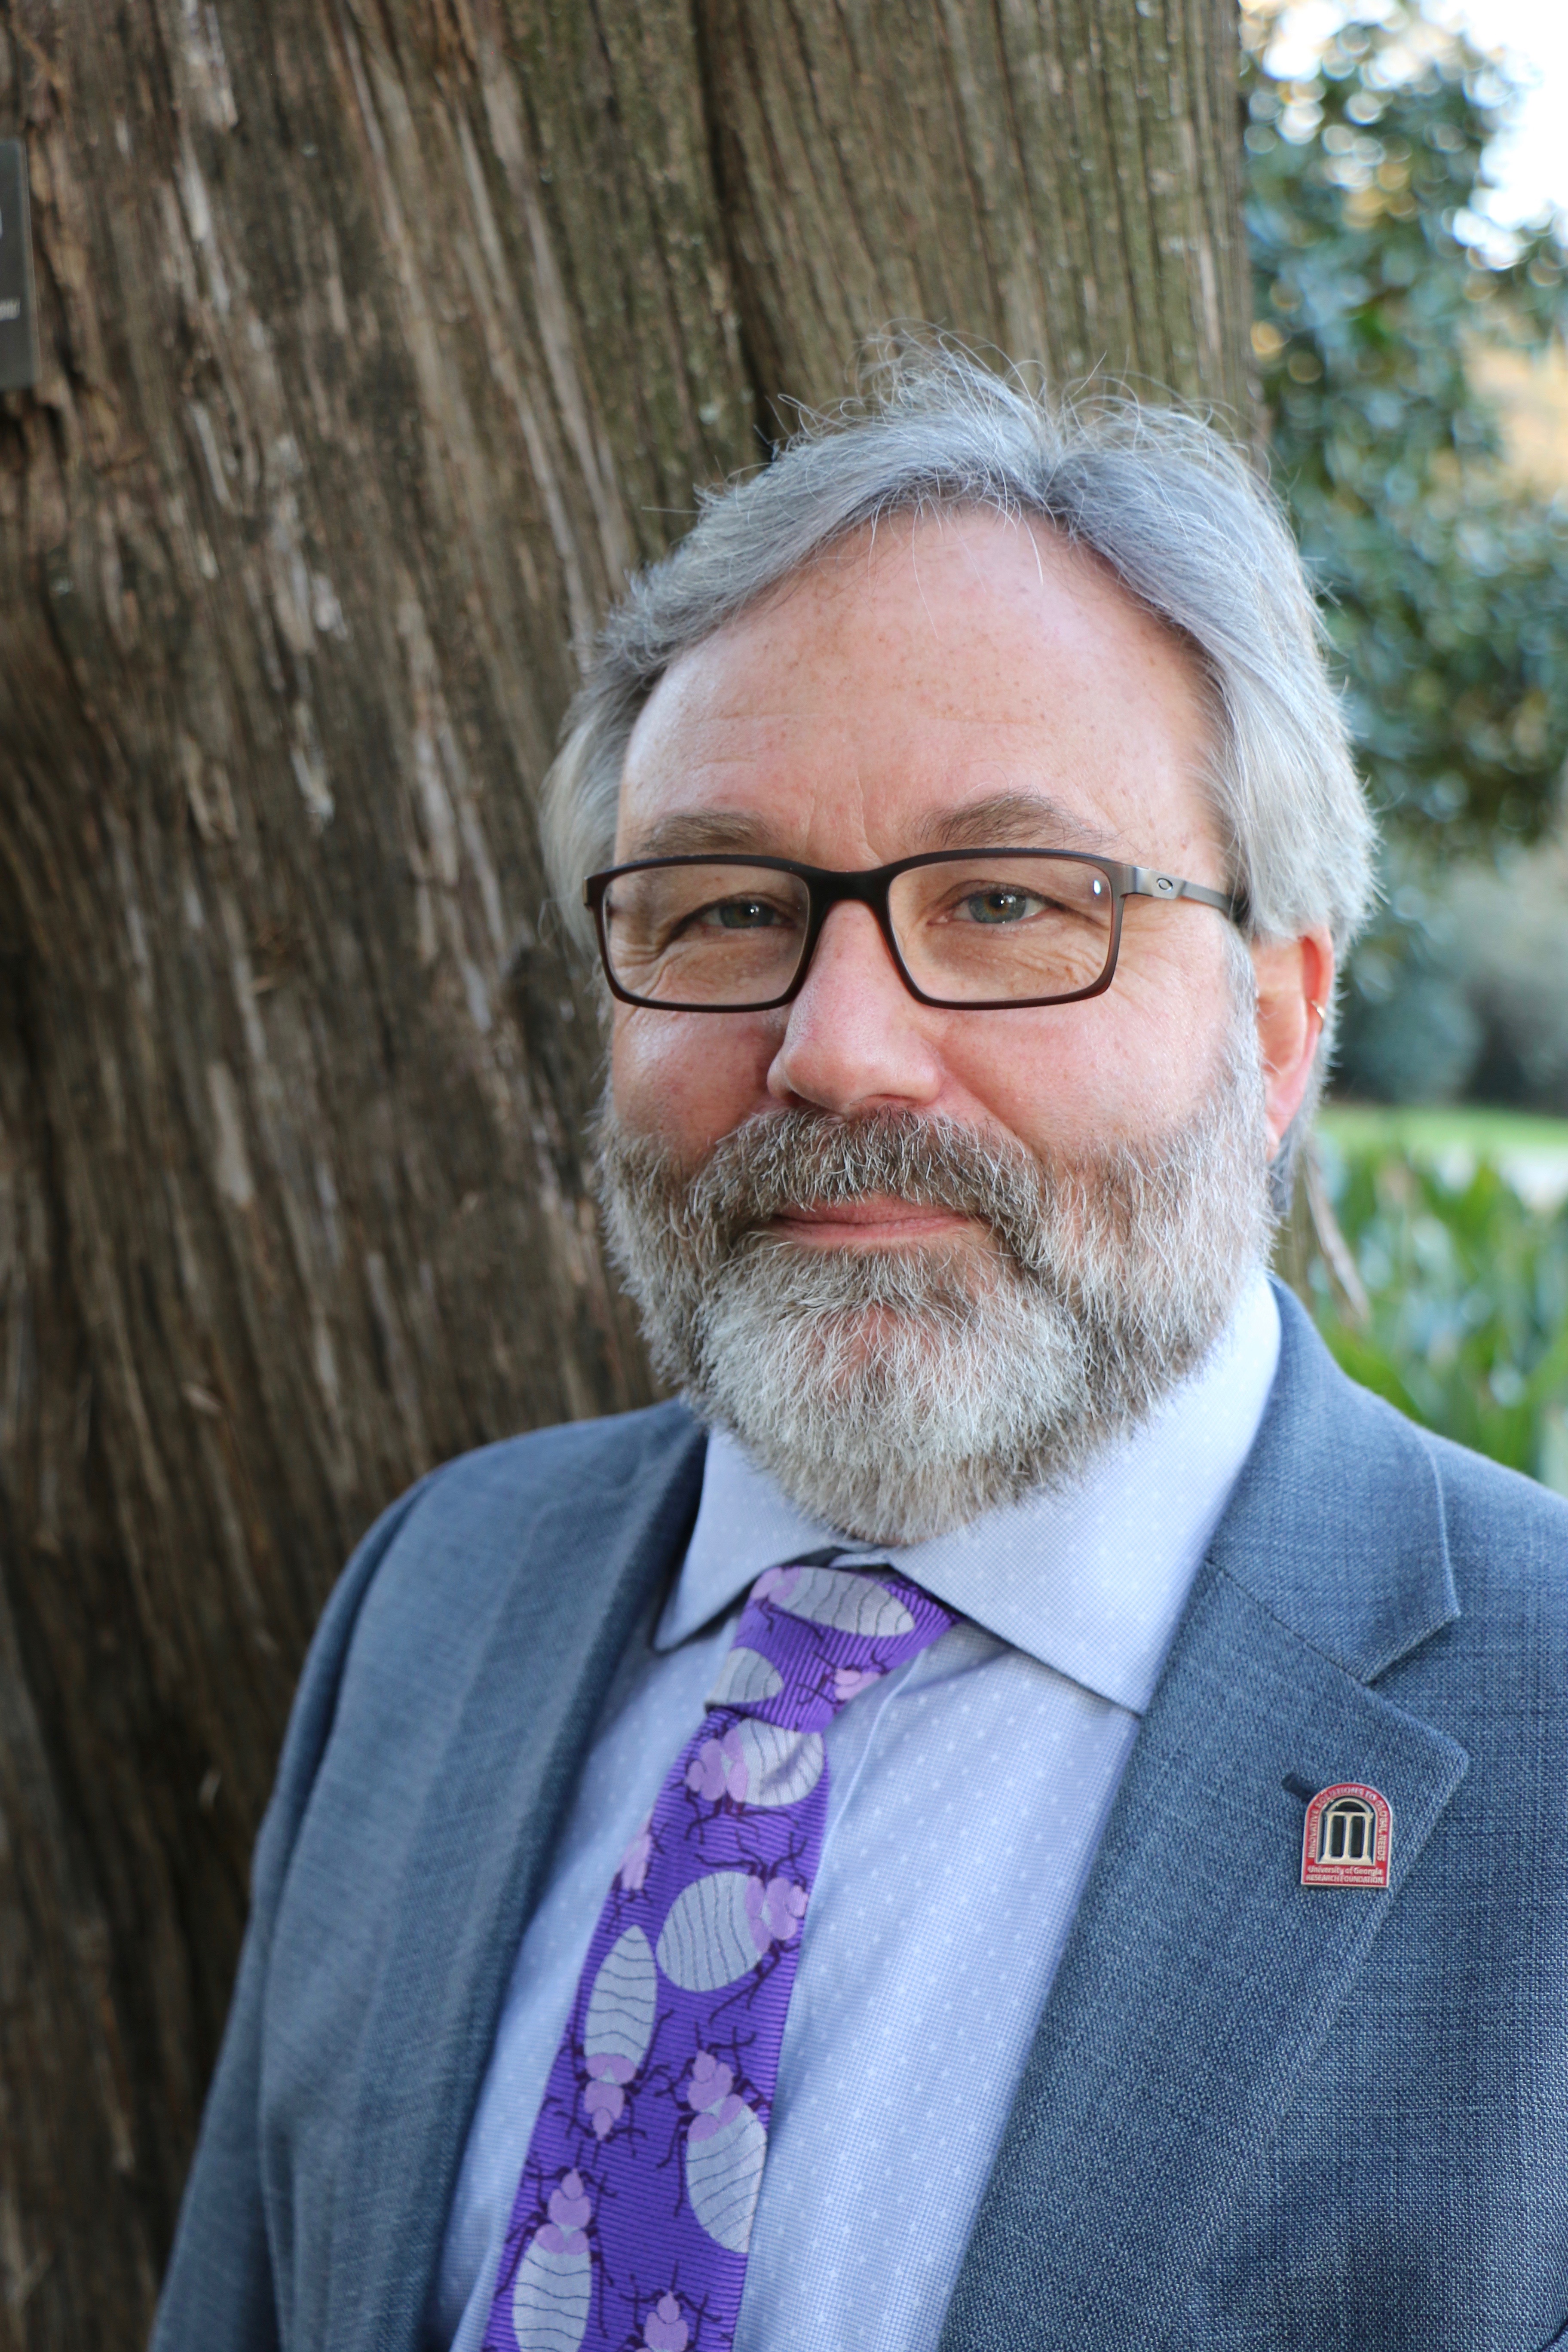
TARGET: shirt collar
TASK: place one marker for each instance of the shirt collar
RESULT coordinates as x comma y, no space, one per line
1090,1577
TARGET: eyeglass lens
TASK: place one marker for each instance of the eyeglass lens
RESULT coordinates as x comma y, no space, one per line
983,929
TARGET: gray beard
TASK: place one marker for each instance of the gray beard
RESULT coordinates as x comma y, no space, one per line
895,1394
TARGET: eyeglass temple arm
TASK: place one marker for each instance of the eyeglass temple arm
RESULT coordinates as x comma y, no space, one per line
1147,883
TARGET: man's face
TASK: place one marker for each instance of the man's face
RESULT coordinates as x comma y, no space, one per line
920,1261
962,681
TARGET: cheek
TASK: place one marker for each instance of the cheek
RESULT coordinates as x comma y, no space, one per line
688,1078
1060,1080
1120,1068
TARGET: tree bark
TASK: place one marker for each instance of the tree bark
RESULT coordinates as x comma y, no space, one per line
380,336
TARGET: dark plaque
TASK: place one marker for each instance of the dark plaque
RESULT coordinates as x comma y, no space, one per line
18,312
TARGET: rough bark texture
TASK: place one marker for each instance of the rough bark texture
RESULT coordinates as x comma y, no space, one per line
380,336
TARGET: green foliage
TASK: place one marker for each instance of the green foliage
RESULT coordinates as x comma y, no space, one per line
1467,1288
1447,586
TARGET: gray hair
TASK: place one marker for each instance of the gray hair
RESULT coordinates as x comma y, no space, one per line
1177,512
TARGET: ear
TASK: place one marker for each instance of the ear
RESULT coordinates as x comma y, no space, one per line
1295,981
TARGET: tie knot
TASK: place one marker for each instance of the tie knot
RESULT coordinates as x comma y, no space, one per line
812,1637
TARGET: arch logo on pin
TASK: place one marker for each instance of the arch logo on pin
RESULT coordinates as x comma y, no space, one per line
1346,1842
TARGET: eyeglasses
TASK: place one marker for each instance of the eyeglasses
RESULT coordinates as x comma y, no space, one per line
974,929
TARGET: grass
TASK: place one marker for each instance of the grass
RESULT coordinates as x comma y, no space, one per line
1454,1304
1439,1126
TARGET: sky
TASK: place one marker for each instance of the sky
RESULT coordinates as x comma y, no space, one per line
1532,163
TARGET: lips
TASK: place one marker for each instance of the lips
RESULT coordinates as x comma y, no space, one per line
875,1217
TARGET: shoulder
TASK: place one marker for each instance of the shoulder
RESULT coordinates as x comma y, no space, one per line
1373,1538
1497,1524
544,1533
1482,1496
1495,1667
1504,1533
1508,1545
566,1496
557,1512
592,1464
1334,1423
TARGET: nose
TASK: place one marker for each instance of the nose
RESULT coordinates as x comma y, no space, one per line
855,1040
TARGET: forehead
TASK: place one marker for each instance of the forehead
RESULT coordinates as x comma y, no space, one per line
930,666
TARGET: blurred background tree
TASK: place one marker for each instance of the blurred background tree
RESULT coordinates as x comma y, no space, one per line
1384,297
1390,311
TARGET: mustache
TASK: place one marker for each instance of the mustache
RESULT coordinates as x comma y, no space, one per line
783,1161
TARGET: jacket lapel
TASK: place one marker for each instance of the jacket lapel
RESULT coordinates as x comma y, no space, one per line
489,1822
1201,1977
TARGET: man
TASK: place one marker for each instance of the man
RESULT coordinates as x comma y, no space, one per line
1104,1887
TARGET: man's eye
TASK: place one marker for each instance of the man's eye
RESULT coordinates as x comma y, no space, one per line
1002,905
741,915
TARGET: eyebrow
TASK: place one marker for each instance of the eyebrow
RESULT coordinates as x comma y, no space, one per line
1016,820
691,833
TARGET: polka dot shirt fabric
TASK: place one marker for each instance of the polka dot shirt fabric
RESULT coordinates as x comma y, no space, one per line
968,1794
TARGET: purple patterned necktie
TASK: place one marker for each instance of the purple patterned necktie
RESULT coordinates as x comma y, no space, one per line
634,2213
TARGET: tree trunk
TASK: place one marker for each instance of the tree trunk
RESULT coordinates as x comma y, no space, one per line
380,336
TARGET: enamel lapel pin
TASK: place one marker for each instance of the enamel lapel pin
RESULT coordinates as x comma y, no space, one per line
1349,1832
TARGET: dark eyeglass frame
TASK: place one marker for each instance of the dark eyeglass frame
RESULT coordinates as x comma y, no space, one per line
827,888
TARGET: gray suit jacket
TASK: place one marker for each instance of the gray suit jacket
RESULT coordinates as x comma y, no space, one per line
1256,2116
